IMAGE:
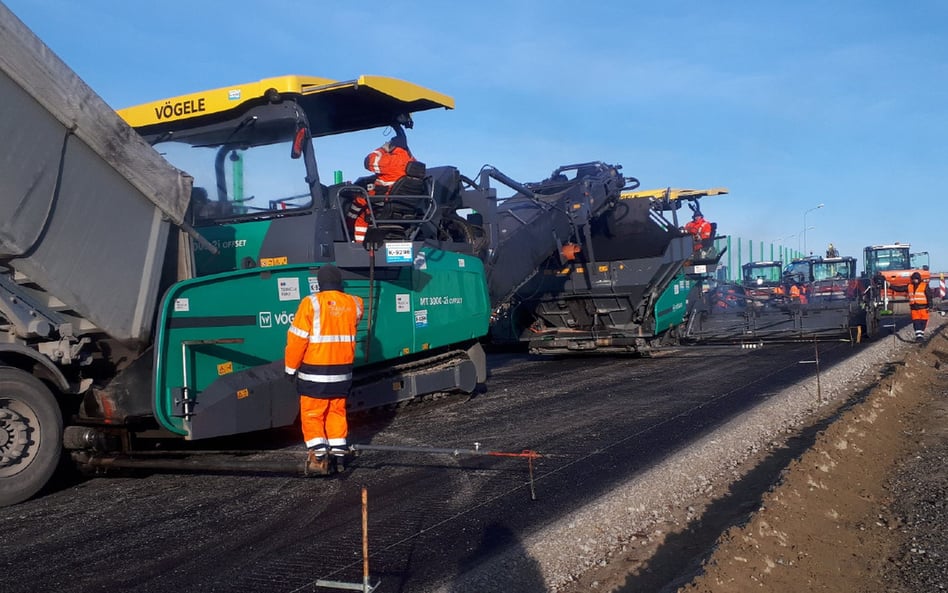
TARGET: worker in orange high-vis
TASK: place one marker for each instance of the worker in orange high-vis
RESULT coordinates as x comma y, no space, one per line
320,350
700,229
920,302
798,293
387,163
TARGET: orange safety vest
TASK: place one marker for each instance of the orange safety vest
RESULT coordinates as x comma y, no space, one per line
918,301
917,297
321,341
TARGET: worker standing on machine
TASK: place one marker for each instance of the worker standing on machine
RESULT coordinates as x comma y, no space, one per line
320,350
920,301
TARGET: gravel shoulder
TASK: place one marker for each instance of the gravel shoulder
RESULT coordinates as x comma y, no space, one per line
865,508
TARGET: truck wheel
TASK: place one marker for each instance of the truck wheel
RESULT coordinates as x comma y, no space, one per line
31,435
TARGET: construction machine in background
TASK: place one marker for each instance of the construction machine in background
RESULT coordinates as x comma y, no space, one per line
813,298
888,271
762,280
621,278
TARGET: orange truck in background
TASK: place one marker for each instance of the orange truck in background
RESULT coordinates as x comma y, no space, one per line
889,269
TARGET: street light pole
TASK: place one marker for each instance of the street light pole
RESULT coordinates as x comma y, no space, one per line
804,226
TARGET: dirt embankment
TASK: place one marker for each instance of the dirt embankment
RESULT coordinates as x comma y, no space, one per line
864,509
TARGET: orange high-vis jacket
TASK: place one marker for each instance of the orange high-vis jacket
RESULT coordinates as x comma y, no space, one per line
388,166
321,342
700,228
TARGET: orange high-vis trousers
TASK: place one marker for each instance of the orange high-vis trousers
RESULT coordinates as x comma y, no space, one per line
324,420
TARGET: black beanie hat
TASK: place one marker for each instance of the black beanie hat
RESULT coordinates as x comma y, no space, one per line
329,278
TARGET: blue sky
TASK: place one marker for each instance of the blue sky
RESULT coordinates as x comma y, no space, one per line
787,104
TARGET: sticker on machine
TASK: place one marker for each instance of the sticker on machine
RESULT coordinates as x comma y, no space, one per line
402,303
181,305
289,288
398,252
421,318
313,284
420,263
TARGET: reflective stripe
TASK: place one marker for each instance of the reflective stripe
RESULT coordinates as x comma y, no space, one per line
298,332
314,331
331,339
316,442
325,378
337,442
289,370
372,162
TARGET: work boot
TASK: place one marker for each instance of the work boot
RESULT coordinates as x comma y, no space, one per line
317,465
339,453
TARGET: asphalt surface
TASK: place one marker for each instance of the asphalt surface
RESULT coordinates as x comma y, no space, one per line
595,420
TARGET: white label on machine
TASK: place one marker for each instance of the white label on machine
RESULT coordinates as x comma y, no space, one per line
460,262
398,252
421,318
701,269
402,303
289,288
182,305
313,284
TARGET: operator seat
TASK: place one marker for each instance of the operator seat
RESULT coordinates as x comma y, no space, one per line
413,183
408,203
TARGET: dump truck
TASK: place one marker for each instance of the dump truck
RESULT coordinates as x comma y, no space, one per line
812,298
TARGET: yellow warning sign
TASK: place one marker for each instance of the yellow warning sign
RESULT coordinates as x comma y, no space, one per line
267,262
241,394
225,368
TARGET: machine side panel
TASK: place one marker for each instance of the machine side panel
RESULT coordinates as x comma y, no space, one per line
223,336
